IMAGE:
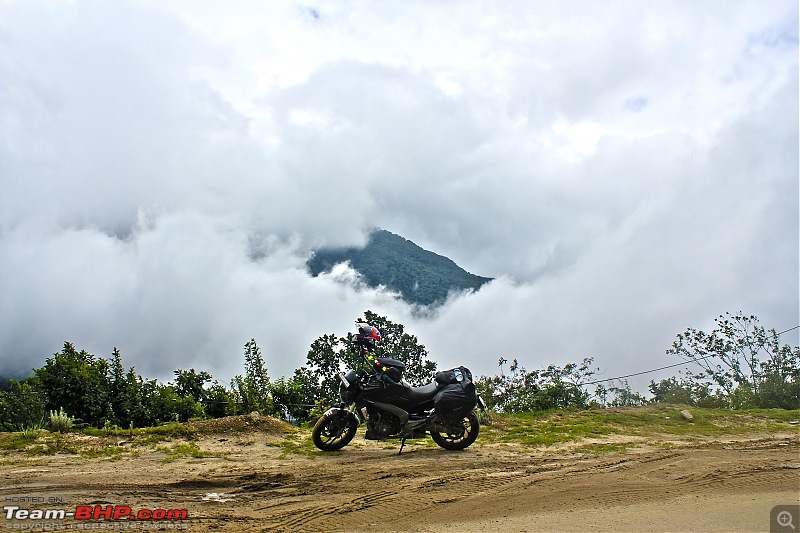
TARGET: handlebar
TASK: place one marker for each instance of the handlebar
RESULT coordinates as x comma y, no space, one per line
385,378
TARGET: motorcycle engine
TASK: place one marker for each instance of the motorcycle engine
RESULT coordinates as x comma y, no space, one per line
382,424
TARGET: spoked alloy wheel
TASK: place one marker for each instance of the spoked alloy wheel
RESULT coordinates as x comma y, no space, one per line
458,440
333,431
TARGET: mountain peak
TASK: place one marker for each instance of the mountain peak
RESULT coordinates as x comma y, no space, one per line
420,276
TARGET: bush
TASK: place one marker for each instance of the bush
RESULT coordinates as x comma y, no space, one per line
743,366
551,388
60,421
21,406
776,391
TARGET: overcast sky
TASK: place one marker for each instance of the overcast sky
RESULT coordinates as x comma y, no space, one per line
625,170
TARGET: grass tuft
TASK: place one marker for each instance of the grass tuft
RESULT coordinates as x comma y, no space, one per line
189,449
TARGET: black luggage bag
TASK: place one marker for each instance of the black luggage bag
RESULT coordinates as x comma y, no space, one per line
457,396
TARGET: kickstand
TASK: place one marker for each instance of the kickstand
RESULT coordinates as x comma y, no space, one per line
402,443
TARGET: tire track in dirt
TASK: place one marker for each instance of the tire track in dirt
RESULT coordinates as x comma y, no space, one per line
658,476
416,492
308,517
421,492
436,484
424,489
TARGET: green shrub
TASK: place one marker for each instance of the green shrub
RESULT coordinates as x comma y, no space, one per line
60,421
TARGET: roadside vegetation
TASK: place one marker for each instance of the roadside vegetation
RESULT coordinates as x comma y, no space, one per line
739,365
589,431
652,424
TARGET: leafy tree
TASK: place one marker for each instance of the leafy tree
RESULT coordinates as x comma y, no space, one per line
78,382
166,405
189,383
624,396
217,401
251,391
329,355
131,406
148,403
297,396
744,361
551,388
21,406
130,395
779,393
289,399
685,391
96,391
601,395
398,344
117,384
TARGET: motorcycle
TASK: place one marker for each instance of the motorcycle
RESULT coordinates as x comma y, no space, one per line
392,408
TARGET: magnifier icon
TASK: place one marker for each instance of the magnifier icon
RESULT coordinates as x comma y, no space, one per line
785,520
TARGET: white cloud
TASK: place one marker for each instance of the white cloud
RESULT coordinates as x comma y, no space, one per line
626,170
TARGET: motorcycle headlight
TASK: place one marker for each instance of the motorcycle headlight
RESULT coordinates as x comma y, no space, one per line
348,388
347,394
350,378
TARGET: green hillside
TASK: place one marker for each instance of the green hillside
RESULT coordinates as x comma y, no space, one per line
420,276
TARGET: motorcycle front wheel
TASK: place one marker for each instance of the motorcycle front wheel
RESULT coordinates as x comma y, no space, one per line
458,440
332,432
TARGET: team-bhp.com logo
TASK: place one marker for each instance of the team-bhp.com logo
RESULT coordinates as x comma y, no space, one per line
95,512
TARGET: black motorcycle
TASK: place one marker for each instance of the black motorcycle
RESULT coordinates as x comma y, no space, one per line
391,408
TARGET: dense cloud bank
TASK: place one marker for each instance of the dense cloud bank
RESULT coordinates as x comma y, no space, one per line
625,170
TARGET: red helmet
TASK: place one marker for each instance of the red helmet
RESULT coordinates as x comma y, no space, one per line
368,336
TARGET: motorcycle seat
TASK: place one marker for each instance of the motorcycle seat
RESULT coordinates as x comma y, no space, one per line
420,394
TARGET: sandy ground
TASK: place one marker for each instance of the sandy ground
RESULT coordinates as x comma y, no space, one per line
726,485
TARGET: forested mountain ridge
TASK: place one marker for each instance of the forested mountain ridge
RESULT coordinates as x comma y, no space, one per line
420,276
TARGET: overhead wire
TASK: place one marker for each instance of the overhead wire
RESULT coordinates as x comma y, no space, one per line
668,366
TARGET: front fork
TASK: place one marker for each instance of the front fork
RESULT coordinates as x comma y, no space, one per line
481,405
360,414
339,416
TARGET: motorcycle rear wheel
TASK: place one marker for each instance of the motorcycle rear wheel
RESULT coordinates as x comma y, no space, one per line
328,434
460,439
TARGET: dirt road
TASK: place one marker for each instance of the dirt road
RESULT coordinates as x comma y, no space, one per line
250,482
